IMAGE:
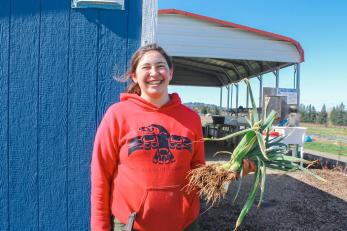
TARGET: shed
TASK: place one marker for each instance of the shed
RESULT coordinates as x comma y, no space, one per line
56,80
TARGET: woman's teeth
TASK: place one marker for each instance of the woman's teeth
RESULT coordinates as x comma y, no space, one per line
154,82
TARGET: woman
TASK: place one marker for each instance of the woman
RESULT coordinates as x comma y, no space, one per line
143,149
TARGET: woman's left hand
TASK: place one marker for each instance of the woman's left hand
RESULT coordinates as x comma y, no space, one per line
248,166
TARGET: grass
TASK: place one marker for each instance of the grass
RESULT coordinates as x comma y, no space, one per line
327,147
327,131
325,139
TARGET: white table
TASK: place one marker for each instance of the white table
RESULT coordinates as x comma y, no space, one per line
294,136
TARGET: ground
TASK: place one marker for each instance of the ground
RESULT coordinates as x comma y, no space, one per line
294,201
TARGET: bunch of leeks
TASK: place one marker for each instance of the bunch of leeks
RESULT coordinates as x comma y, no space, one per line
256,145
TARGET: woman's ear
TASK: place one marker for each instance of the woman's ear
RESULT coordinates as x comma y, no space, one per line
171,73
133,78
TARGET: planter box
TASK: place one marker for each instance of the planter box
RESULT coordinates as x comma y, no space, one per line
217,119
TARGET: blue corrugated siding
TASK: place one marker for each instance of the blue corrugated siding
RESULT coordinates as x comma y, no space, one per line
4,62
56,69
23,114
81,107
52,111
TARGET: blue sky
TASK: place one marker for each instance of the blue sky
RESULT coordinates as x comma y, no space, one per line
320,27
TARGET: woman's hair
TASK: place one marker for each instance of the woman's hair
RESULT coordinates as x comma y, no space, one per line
134,87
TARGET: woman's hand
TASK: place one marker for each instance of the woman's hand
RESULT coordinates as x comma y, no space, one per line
248,166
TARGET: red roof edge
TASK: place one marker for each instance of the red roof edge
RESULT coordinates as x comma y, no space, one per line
238,26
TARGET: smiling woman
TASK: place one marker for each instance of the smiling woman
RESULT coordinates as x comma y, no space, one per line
144,148
153,76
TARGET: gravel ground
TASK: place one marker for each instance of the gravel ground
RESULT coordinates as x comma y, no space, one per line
294,201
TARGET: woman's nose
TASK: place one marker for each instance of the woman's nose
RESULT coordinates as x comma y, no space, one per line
153,71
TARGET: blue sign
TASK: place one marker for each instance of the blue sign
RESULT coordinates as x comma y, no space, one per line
291,93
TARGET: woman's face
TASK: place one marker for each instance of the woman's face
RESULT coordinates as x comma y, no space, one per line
153,75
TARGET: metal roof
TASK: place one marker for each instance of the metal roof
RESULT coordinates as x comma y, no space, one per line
212,52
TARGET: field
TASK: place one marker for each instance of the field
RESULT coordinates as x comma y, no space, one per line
327,139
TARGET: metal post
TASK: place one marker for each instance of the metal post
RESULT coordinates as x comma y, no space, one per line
295,71
277,74
298,84
247,96
221,96
231,96
228,99
237,98
260,91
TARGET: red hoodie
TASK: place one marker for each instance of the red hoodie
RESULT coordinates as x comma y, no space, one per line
140,161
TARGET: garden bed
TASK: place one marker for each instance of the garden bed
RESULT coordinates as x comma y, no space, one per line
293,201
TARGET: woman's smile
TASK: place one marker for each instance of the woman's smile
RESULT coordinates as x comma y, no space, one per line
154,82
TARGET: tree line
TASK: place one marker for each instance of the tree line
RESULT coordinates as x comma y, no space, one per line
337,116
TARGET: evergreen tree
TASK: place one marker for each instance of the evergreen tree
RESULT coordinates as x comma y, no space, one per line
303,112
333,114
338,115
204,110
313,114
345,118
322,116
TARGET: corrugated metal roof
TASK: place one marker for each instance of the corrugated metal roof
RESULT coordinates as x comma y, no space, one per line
212,52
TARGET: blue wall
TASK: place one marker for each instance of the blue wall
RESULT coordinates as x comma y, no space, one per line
56,69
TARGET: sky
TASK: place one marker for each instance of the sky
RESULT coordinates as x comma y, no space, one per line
320,26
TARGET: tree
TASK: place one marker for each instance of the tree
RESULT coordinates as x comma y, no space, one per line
322,116
303,112
204,110
345,118
216,111
308,113
337,115
333,115
340,114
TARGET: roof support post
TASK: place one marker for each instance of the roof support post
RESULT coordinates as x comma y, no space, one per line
237,98
277,74
298,84
231,96
247,97
221,96
295,70
228,99
260,78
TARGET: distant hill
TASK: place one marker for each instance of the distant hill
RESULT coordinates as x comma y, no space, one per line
204,108
198,104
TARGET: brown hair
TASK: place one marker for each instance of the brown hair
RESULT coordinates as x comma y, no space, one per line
134,87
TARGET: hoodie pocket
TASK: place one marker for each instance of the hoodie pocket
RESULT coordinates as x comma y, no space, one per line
163,208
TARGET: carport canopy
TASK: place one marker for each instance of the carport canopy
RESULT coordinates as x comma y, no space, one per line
211,52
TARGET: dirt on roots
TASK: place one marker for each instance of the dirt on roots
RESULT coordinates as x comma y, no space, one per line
212,180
